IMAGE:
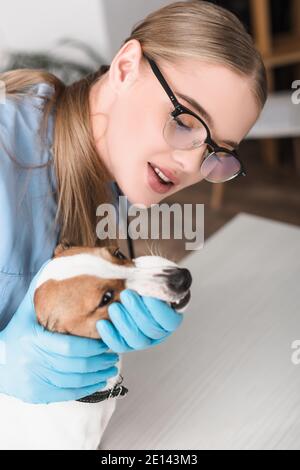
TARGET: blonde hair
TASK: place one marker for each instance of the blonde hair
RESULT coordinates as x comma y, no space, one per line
192,29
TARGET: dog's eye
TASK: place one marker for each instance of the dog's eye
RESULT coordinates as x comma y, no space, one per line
107,297
119,254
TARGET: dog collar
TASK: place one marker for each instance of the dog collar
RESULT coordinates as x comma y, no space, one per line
118,392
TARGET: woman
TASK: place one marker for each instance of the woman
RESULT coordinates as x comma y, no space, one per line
179,96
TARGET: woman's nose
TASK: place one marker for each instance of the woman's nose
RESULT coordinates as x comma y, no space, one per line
190,160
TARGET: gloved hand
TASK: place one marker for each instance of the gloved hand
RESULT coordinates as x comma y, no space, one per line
139,322
38,366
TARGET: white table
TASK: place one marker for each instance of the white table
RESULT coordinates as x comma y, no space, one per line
225,379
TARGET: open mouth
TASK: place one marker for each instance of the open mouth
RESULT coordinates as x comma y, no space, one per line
158,181
161,176
182,302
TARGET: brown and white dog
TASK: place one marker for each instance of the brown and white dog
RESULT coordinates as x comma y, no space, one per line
75,289
72,293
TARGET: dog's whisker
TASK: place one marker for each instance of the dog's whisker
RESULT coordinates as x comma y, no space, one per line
157,247
151,248
148,246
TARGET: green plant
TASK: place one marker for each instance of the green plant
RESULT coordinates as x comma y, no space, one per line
67,70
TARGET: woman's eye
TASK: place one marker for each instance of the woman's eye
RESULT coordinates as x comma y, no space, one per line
119,254
181,125
107,297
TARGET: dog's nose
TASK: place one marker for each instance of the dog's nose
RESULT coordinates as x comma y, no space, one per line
180,280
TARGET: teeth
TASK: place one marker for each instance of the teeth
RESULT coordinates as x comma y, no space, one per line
161,175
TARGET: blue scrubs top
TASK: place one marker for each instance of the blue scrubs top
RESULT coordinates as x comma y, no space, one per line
27,198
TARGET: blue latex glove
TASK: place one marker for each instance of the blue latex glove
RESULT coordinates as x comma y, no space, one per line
139,322
38,366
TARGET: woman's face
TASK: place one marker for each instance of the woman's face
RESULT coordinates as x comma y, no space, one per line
129,108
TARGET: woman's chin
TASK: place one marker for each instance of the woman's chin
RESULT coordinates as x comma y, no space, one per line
141,198
141,203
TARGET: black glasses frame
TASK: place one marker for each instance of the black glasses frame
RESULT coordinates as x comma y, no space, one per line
181,109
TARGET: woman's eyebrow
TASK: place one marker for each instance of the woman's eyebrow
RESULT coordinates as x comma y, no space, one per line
207,117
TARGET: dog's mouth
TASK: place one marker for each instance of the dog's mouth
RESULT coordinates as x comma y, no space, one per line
181,303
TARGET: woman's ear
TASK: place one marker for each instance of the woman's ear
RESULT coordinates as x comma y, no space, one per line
60,248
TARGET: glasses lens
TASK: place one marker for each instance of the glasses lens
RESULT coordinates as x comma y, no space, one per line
184,132
219,167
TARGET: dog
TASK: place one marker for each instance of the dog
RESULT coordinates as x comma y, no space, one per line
73,292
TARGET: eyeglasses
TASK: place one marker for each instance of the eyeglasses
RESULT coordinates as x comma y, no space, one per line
190,132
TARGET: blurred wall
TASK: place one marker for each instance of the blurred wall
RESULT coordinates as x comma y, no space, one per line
121,15
35,25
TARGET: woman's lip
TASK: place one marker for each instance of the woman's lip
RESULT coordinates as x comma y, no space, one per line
154,181
166,172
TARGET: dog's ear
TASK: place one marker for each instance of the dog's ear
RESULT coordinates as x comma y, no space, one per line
60,248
